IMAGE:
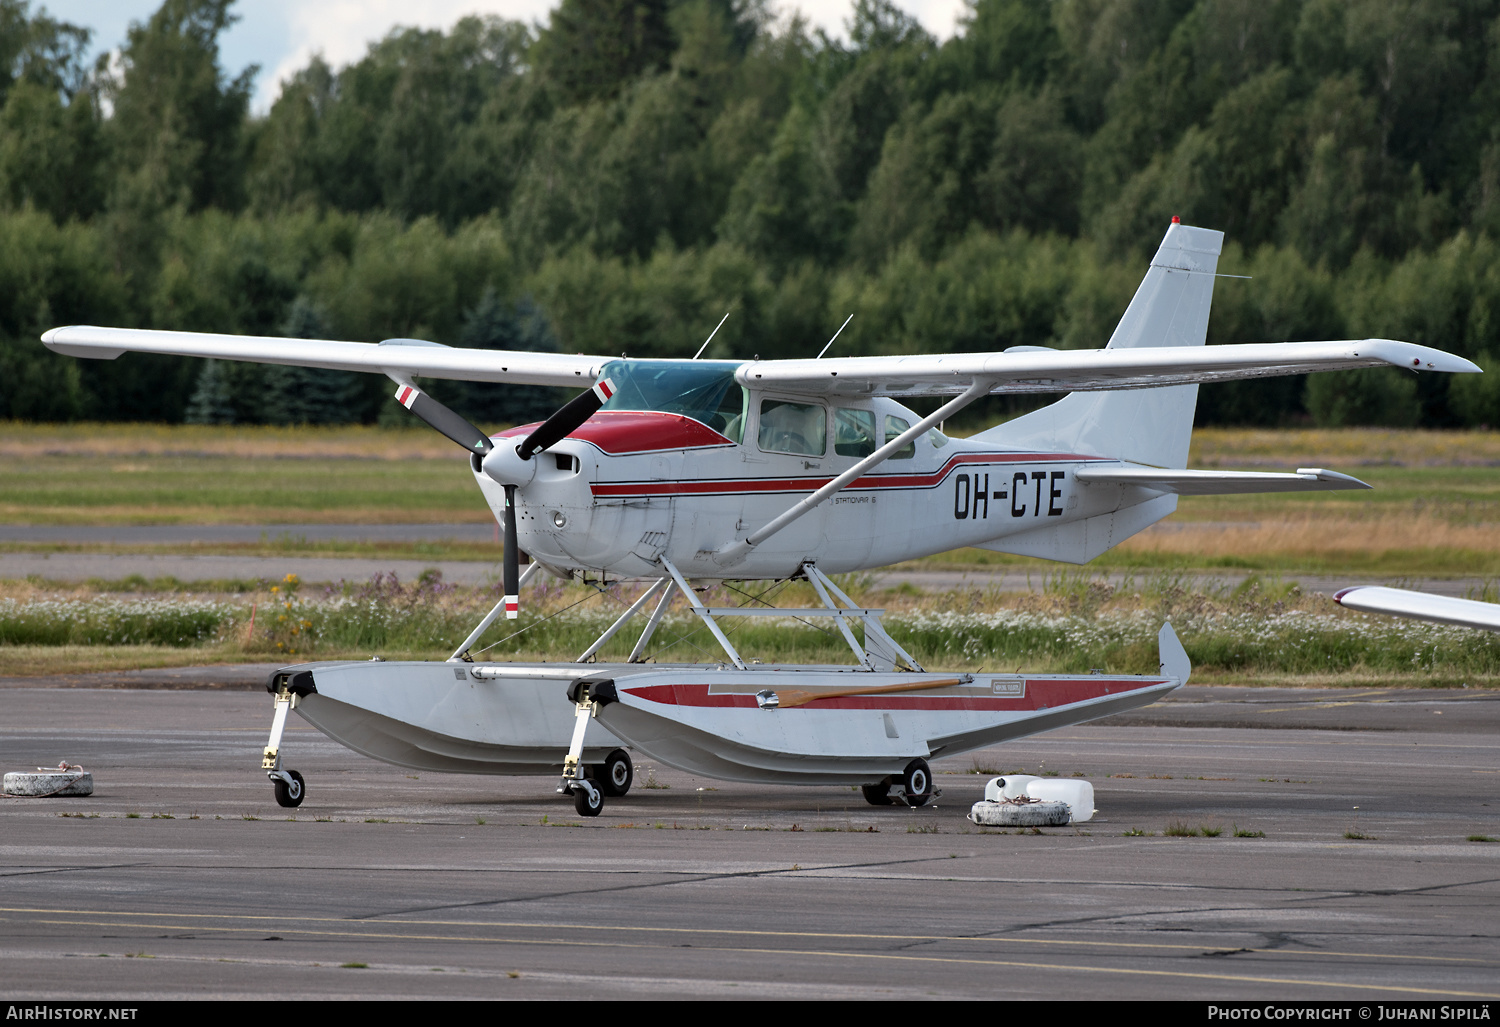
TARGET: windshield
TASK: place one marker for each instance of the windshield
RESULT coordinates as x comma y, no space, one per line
704,390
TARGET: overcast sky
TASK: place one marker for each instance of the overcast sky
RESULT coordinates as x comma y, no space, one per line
280,35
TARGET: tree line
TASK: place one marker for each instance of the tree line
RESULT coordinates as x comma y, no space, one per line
618,179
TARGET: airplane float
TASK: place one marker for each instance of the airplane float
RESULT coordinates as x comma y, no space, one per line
690,472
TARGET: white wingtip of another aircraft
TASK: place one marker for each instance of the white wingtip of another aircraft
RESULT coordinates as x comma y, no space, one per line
1400,602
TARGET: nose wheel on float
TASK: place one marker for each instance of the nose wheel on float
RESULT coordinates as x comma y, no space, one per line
289,788
288,785
588,797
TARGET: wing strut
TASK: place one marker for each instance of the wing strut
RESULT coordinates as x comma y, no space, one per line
735,552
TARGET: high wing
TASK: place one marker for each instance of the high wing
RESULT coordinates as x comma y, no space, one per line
1032,369
400,359
1400,602
1035,369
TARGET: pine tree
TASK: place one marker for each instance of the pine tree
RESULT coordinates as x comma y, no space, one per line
593,48
493,324
308,395
211,402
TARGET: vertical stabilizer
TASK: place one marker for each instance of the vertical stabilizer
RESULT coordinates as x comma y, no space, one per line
1146,426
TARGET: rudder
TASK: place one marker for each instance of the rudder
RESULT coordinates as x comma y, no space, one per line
1145,426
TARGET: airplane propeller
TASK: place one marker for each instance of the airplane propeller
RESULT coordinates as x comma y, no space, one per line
567,419
510,467
444,420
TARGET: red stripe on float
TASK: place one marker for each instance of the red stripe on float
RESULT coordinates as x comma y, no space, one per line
1040,695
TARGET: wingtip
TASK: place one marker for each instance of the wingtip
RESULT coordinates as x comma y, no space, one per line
1337,478
1421,358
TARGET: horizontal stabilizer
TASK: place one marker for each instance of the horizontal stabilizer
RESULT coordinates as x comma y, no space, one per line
1218,483
1400,602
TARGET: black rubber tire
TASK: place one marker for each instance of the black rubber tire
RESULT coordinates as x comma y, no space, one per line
916,779
615,775
588,801
291,795
878,794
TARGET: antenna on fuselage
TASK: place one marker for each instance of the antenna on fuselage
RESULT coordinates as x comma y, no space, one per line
712,334
835,336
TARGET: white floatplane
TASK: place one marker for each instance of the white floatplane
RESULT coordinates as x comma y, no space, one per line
689,472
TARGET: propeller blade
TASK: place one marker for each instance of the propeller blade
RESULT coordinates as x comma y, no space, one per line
566,420
512,557
444,420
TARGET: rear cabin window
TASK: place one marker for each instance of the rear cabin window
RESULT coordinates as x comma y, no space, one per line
800,428
894,426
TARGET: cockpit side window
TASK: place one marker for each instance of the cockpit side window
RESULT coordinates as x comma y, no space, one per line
853,432
787,427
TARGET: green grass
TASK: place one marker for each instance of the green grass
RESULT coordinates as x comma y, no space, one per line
154,489
1073,625
1178,829
272,545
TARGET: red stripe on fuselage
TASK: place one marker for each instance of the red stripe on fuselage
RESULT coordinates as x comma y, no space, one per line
1040,695
917,480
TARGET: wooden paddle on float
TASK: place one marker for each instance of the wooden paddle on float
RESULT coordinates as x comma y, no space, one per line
803,696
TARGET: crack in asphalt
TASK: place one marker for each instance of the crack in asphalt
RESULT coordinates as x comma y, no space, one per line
696,879
71,870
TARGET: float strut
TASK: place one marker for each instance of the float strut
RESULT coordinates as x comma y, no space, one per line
288,785
587,797
271,759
